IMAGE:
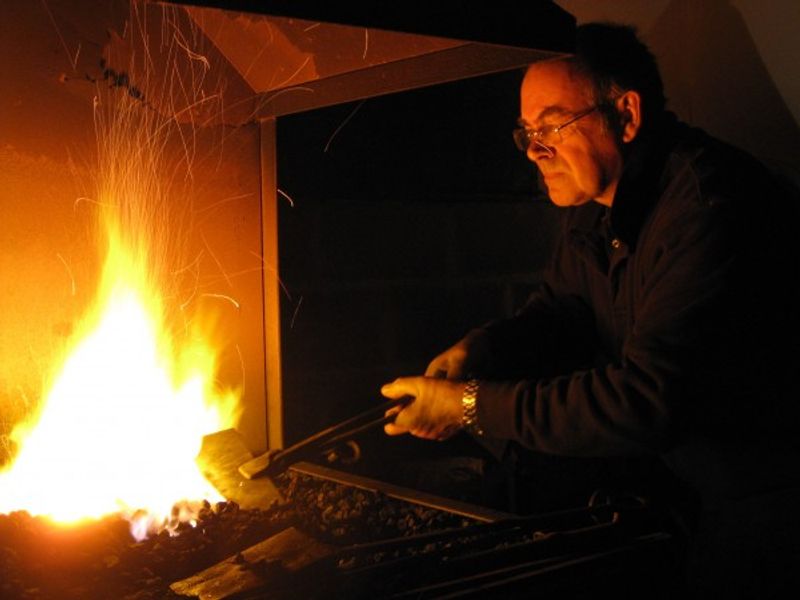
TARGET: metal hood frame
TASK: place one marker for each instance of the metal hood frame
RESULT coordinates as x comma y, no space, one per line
298,56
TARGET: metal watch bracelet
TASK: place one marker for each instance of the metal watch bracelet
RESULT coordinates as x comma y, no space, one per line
469,418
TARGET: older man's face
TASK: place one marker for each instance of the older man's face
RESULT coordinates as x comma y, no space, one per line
586,163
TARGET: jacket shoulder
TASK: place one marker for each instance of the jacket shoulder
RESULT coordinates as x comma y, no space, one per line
707,172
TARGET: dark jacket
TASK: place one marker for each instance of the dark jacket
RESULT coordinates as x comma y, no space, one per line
664,325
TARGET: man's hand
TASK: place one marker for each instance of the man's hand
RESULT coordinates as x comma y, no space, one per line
433,414
460,360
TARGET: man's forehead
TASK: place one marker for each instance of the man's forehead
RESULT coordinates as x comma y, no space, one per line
549,112
550,90
555,69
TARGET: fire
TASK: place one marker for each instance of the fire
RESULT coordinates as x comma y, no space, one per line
125,411
124,419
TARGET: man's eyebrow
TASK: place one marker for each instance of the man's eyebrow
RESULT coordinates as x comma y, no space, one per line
550,111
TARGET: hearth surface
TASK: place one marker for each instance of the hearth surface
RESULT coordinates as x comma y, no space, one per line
100,559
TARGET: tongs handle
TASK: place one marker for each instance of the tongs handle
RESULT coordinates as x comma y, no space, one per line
274,461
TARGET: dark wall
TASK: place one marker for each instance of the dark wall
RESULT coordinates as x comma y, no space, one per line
414,218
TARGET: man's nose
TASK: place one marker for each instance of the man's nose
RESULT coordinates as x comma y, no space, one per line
538,151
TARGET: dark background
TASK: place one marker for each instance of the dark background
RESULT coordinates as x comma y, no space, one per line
416,221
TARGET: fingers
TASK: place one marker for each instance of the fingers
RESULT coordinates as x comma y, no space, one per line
434,411
425,434
437,368
399,428
450,364
447,365
394,411
407,416
397,389
392,429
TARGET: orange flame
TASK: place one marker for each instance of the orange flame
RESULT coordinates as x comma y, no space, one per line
123,422
126,410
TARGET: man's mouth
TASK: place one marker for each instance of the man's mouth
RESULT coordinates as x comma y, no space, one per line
552,175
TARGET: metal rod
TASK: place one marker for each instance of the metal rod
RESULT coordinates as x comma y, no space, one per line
273,462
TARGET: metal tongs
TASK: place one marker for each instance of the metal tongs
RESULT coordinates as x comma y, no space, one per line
274,462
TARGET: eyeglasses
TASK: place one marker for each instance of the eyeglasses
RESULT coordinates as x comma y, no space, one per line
548,136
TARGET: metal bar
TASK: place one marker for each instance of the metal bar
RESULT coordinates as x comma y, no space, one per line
271,279
484,538
271,463
361,422
490,581
346,428
464,509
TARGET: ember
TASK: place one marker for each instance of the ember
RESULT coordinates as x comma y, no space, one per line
41,560
342,515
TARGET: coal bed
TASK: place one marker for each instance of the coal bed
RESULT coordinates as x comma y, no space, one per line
42,560
331,537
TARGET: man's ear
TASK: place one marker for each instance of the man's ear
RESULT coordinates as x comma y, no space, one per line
629,109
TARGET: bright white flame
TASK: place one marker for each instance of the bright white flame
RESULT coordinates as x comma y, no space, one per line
115,436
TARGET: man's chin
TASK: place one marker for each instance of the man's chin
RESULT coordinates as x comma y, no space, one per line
560,191
564,200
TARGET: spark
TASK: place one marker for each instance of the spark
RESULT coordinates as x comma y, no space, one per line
263,101
69,271
72,61
232,275
77,54
285,195
192,265
366,44
272,270
216,260
188,301
296,310
255,60
193,55
186,110
266,45
339,128
296,73
241,365
271,32
314,26
195,104
222,297
90,201
223,201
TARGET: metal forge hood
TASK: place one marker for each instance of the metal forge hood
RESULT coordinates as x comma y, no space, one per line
302,55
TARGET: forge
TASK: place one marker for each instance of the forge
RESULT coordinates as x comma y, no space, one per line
150,152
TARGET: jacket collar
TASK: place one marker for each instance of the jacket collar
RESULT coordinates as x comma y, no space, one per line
641,181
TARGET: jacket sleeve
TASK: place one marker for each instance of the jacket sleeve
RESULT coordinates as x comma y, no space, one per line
552,333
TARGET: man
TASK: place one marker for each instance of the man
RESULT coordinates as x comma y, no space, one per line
666,322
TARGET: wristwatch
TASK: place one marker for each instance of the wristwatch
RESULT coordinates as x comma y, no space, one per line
469,418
